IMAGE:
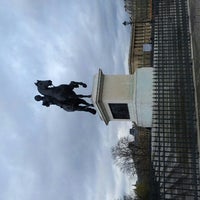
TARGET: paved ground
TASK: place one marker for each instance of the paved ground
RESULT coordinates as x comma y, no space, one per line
195,29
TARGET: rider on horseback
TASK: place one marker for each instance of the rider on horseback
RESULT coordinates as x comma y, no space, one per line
63,96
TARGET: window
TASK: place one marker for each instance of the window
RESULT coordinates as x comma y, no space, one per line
119,110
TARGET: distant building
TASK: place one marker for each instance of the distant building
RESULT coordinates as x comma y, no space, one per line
133,131
140,52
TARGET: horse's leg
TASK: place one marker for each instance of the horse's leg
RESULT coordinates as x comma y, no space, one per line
86,109
83,96
82,101
76,84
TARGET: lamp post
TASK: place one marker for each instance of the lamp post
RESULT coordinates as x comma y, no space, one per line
127,23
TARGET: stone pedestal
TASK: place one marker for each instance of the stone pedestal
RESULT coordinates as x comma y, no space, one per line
124,97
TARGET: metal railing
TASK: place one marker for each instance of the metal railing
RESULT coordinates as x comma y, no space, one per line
175,169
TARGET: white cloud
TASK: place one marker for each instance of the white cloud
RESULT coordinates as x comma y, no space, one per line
48,152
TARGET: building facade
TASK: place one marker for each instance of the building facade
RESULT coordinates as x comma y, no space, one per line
140,52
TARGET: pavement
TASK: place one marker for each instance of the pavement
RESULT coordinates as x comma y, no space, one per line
194,15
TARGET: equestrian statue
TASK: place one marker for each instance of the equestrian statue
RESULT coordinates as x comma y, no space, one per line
63,96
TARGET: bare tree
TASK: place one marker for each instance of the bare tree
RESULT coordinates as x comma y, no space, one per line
122,156
127,154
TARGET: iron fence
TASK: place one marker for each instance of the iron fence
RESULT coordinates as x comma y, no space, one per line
174,152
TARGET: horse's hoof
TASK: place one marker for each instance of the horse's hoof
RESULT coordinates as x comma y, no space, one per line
93,111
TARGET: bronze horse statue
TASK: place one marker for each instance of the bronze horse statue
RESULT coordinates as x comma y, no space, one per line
63,96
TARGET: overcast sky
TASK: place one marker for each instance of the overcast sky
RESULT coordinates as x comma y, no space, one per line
47,153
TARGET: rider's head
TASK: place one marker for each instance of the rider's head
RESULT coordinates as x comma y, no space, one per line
38,98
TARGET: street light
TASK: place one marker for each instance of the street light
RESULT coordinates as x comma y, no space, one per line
127,23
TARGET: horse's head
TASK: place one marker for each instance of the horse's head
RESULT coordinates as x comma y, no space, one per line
43,84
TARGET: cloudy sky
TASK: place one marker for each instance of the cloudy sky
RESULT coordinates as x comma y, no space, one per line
47,153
